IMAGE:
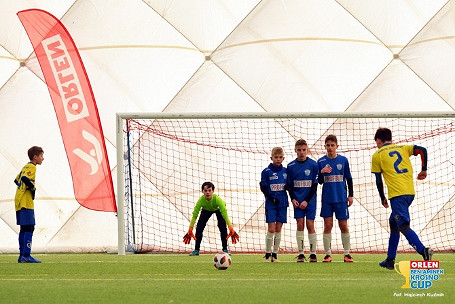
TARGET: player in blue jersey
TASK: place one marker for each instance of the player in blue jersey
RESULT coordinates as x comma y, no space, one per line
25,205
392,161
209,204
302,184
273,183
334,174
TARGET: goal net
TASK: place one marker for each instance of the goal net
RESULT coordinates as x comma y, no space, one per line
163,160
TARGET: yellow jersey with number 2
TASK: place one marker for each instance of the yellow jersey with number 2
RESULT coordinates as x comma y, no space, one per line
395,165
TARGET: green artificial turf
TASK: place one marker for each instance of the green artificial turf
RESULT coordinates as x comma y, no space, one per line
179,278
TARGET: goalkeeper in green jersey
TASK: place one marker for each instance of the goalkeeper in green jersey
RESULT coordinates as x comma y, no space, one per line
210,203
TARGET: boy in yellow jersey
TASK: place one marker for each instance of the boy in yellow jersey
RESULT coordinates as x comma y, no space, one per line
210,203
392,161
24,204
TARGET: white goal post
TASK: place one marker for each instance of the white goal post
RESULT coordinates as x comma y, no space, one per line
163,158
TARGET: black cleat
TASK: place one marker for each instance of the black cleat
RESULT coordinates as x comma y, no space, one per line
327,259
313,258
275,258
389,264
427,253
301,258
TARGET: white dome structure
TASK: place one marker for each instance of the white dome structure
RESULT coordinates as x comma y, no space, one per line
210,56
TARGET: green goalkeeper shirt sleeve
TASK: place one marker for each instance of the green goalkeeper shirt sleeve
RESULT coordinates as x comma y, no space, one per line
223,210
196,211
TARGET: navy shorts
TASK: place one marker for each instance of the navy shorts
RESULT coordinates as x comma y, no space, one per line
309,212
276,214
340,209
25,217
400,208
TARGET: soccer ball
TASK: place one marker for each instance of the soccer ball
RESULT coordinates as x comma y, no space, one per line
222,261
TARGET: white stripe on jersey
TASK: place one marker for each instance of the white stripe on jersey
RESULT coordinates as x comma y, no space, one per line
333,178
302,183
277,187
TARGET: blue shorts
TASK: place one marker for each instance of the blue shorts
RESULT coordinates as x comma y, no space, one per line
309,212
25,217
400,208
340,209
277,214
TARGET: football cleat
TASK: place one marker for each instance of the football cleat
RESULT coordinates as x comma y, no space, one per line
327,259
389,264
194,253
348,258
275,258
226,251
300,258
313,258
427,253
22,259
31,259
267,257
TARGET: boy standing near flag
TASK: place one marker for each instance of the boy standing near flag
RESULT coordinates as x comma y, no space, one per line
24,204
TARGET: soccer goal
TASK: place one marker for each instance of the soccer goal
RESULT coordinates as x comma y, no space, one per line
163,159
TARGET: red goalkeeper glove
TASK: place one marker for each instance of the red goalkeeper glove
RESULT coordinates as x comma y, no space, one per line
233,235
188,236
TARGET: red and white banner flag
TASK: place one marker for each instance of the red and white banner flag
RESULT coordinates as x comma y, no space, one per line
75,107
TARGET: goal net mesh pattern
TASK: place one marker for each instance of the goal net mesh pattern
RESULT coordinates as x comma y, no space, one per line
167,160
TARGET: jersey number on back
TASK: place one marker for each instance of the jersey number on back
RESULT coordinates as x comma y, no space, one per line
397,162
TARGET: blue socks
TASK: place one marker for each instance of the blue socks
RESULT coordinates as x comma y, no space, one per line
414,241
27,244
21,243
393,246
412,238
